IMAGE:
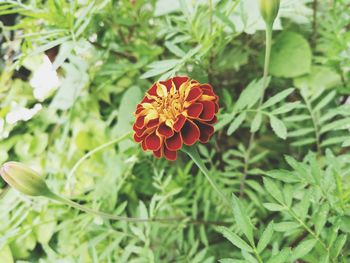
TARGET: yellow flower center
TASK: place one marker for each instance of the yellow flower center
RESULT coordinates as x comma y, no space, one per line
167,105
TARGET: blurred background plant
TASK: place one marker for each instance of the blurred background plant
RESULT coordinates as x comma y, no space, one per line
71,75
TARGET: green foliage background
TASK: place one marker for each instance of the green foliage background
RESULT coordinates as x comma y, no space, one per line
290,184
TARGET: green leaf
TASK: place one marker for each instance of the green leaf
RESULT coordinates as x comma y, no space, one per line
273,190
236,123
321,218
338,245
278,127
291,56
303,248
250,95
285,226
274,207
242,219
287,107
325,101
265,237
256,123
277,98
281,257
283,175
234,239
159,67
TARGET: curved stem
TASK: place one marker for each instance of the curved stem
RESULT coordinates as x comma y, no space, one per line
193,154
93,151
73,204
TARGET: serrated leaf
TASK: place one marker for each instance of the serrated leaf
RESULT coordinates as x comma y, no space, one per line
242,218
234,238
250,95
325,101
283,175
281,257
338,245
287,107
278,127
277,98
273,189
285,226
321,218
273,207
265,237
303,248
236,123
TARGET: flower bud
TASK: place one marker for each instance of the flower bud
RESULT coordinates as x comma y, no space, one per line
24,179
269,10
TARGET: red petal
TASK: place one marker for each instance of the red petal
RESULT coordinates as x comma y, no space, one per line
206,131
137,138
194,94
179,123
153,142
170,155
158,153
195,110
207,87
213,121
152,123
208,110
174,143
147,100
167,83
140,122
216,107
153,90
143,145
190,133
165,131
179,80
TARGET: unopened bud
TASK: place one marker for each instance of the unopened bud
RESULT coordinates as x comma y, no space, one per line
269,10
24,179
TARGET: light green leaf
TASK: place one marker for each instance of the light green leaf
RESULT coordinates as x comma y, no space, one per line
287,107
273,189
338,245
278,127
256,123
242,218
277,98
273,207
236,123
283,175
234,239
303,248
265,237
321,218
250,95
281,257
291,56
285,226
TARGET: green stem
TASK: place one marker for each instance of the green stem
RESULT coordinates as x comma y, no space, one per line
268,36
73,204
193,154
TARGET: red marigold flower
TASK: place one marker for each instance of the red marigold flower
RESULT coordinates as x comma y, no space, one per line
174,112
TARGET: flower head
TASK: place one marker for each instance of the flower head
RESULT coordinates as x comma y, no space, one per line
174,112
24,179
269,10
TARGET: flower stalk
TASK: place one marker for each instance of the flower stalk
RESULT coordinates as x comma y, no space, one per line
194,155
